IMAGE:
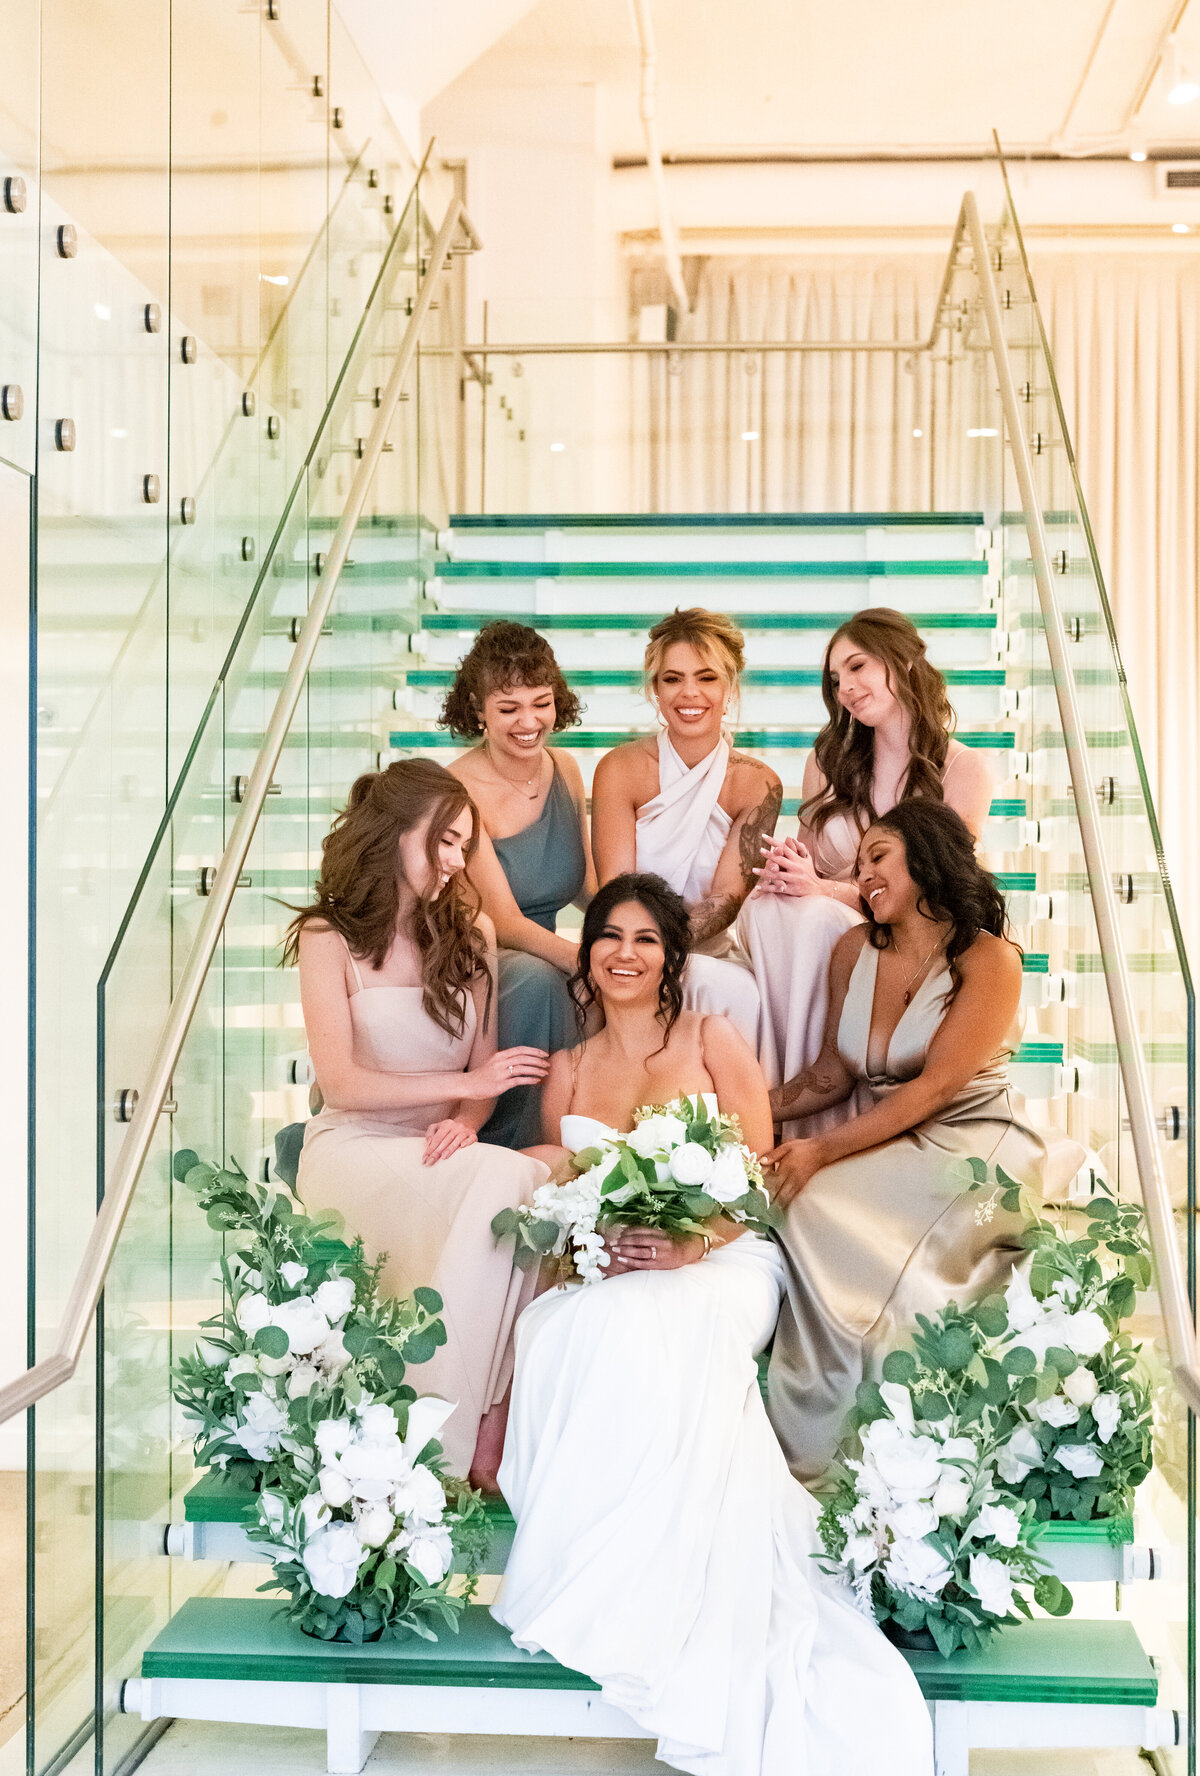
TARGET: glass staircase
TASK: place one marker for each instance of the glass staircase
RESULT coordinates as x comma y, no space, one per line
995,563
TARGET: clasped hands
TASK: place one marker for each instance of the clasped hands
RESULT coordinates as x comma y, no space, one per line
787,868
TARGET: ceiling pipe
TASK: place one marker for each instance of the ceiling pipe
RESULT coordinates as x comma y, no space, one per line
643,25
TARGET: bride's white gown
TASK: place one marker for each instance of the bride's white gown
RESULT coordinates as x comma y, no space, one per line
662,1546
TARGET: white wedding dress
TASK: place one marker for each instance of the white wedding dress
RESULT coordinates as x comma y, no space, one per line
662,1546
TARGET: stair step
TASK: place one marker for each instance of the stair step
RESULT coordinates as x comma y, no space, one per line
465,622
594,739
509,521
970,568
630,678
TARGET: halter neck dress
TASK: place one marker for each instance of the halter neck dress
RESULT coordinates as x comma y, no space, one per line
546,868
879,1237
789,941
681,833
432,1221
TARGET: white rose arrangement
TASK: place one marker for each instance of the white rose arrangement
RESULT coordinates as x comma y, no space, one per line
301,1380
682,1165
1025,1407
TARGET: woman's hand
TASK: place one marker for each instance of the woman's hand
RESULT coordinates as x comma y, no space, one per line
512,1066
444,1138
644,1248
790,1166
787,869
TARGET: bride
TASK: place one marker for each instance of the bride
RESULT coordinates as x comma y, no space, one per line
662,1546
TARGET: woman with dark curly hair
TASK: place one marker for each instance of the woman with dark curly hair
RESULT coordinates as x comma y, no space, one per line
534,856
397,995
888,739
923,1015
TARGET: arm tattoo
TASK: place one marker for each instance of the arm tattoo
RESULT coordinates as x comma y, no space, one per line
716,912
758,825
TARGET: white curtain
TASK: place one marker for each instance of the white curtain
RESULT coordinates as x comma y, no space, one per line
841,433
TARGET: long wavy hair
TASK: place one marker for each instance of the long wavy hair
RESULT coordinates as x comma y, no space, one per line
668,912
358,889
505,655
845,748
951,884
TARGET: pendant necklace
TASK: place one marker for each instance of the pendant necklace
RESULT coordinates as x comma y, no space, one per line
916,971
522,787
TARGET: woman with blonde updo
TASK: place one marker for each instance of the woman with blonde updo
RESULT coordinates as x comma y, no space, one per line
685,806
888,738
398,993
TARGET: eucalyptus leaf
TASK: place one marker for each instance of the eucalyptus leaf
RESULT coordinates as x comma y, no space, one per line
272,1341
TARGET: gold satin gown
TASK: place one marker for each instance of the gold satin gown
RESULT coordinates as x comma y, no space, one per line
879,1237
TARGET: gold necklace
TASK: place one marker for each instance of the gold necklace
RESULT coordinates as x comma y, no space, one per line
522,787
916,971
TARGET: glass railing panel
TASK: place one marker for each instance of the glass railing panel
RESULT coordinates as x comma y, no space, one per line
19,156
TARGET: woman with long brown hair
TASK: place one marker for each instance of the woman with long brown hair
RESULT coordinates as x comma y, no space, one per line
888,738
398,992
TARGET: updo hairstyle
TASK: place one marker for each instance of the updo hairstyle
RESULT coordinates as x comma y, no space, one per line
715,637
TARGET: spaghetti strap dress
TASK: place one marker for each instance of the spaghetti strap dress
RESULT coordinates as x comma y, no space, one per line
546,869
882,1236
432,1221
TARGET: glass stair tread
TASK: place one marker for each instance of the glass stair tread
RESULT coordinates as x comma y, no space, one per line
709,520
631,678
765,738
456,622
973,568
215,1638
1115,1532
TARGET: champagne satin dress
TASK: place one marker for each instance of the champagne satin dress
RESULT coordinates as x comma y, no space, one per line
434,1222
879,1237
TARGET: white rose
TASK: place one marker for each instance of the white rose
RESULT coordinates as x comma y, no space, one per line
331,1559
860,1552
1081,1387
253,1312
690,1164
303,1322
331,1354
913,1520
426,1417
292,1273
333,1435
1024,1309
960,1449
244,1364
273,1366
1056,1411
375,1524
272,1506
951,1498
918,1568
1019,1456
998,1523
302,1381
1081,1459
1067,1290
899,1403
1106,1410
1085,1334
727,1180
657,1135
376,1420
335,1488
374,1468
259,1434
313,1513
909,1466
430,1553
992,1581
420,1496
335,1298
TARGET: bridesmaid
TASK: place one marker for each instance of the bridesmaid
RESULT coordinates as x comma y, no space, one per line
396,989
534,856
686,807
923,1016
888,738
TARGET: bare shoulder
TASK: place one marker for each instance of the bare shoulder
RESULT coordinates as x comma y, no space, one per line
990,961
486,929
567,767
627,768
317,938
467,767
753,781
848,948
721,1043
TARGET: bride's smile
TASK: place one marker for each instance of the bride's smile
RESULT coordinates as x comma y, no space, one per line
627,957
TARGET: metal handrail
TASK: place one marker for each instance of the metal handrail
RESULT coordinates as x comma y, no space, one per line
1178,1318
88,1285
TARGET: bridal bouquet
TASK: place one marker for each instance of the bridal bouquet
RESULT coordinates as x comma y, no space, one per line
300,1381
1028,1405
683,1165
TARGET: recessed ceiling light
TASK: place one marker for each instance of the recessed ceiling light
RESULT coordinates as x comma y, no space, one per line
266,278
917,432
1137,154
749,437
1181,228
557,447
1181,88
983,432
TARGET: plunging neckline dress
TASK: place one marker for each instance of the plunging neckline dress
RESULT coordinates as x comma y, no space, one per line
877,1238
663,1548
433,1222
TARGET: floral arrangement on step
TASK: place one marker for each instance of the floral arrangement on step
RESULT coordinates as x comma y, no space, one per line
300,1380
1028,1405
682,1166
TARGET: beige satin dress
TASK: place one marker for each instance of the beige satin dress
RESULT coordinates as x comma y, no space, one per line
875,1239
432,1221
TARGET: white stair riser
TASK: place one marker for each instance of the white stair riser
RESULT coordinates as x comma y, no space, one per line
764,647
704,543
617,706
519,598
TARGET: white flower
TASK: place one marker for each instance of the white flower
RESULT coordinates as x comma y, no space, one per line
303,1322
898,1401
993,1584
1081,1387
861,1517
960,1449
1085,1334
657,1135
1081,1459
952,1498
264,1420
331,1559
918,1568
253,1312
373,1468
374,1524
1019,1456
913,1520
335,1488
420,1496
690,1164
1056,1411
292,1273
244,1364
908,1466
302,1381
1024,1309
426,1417
728,1180
335,1298
333,1435
860,1552
313,1513
253,1279
430,1553
273,1366
998,1523
1106,1410
271,1507
331,1354
376,1420
1067,1290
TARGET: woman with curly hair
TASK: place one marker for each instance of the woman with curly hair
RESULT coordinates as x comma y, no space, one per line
880,1225
888,739
534,856
398,1006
